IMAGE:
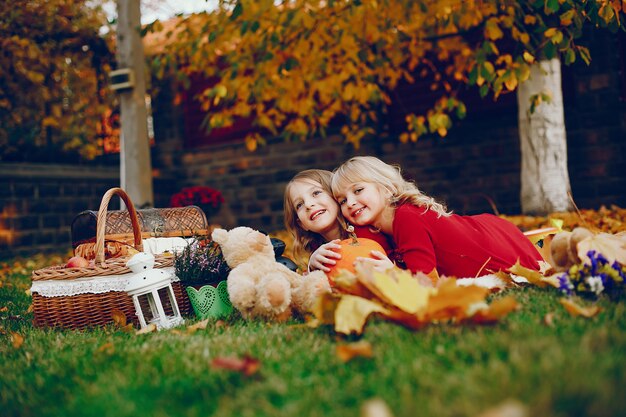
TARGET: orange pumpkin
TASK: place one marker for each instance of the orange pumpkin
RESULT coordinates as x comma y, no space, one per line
350,250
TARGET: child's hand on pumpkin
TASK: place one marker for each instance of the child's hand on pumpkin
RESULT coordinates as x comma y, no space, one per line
325,255
379,260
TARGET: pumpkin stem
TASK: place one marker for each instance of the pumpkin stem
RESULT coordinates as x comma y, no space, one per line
350,230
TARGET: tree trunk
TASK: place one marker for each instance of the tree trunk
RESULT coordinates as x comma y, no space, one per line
135,163
544,176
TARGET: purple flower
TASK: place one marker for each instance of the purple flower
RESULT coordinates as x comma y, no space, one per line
565,285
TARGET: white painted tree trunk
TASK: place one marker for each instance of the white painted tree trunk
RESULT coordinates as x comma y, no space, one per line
544,177
135,163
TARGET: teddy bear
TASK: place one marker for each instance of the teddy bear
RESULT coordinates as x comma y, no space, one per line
258,286
570,248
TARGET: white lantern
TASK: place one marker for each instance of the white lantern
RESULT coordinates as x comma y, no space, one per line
152,293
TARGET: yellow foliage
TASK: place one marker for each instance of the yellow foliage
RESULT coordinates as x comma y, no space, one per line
309,62
408,300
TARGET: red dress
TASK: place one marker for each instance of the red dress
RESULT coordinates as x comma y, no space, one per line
459,246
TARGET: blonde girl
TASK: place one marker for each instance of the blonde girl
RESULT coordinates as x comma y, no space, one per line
313,218
424,236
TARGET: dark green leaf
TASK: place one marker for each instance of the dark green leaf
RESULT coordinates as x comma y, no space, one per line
552,6
484,89
237,11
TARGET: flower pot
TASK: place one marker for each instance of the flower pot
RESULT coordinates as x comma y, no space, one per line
209,301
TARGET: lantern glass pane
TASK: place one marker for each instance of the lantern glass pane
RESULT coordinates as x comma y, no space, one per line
147,307
164,296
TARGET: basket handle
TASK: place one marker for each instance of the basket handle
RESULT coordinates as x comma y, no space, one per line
102,220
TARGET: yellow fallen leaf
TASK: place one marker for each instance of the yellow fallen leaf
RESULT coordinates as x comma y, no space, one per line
129,328
534,277
201,325
347,352
324,309
375,407
451,301
394,287
352,313
578,310
612,247
538,234
346,282
548,319
4,309
119,318
496,310
509,408
400,289
150,328
16,340
107,348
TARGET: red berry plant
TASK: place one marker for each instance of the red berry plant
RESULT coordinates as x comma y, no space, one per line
208,199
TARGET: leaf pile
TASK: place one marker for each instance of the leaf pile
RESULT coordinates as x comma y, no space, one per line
409,300
608,220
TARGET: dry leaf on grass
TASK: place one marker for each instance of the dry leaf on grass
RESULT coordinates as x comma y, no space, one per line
17,340
577,310
398,288
534,277
375,407
352,313
399,297
452,302
201,325
612,247
508,408
246,365
150,328
548,319
4,309
107,348
493,312
349,351
119,318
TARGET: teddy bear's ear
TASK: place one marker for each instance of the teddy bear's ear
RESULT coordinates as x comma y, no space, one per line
219,235
256,240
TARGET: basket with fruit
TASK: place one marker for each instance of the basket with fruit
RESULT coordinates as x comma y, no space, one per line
83,293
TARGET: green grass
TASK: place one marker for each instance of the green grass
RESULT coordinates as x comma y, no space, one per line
575,368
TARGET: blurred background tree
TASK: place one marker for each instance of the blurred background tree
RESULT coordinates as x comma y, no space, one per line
292,68
54,104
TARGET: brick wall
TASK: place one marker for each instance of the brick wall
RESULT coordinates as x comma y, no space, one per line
39,201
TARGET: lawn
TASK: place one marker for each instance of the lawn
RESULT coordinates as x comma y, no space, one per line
559,366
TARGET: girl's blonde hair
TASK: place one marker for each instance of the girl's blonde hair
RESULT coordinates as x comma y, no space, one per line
388,177
304,241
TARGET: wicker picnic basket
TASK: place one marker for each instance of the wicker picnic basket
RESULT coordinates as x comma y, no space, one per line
186,221
86,297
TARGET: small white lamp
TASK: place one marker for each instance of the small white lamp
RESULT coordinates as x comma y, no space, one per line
152,293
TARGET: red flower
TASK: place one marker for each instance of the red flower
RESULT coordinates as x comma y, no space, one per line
209,199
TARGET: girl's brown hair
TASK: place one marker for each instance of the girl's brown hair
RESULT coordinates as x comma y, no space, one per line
306,242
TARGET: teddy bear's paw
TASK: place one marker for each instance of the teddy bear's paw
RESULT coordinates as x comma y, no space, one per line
311,287
242,293
274,293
